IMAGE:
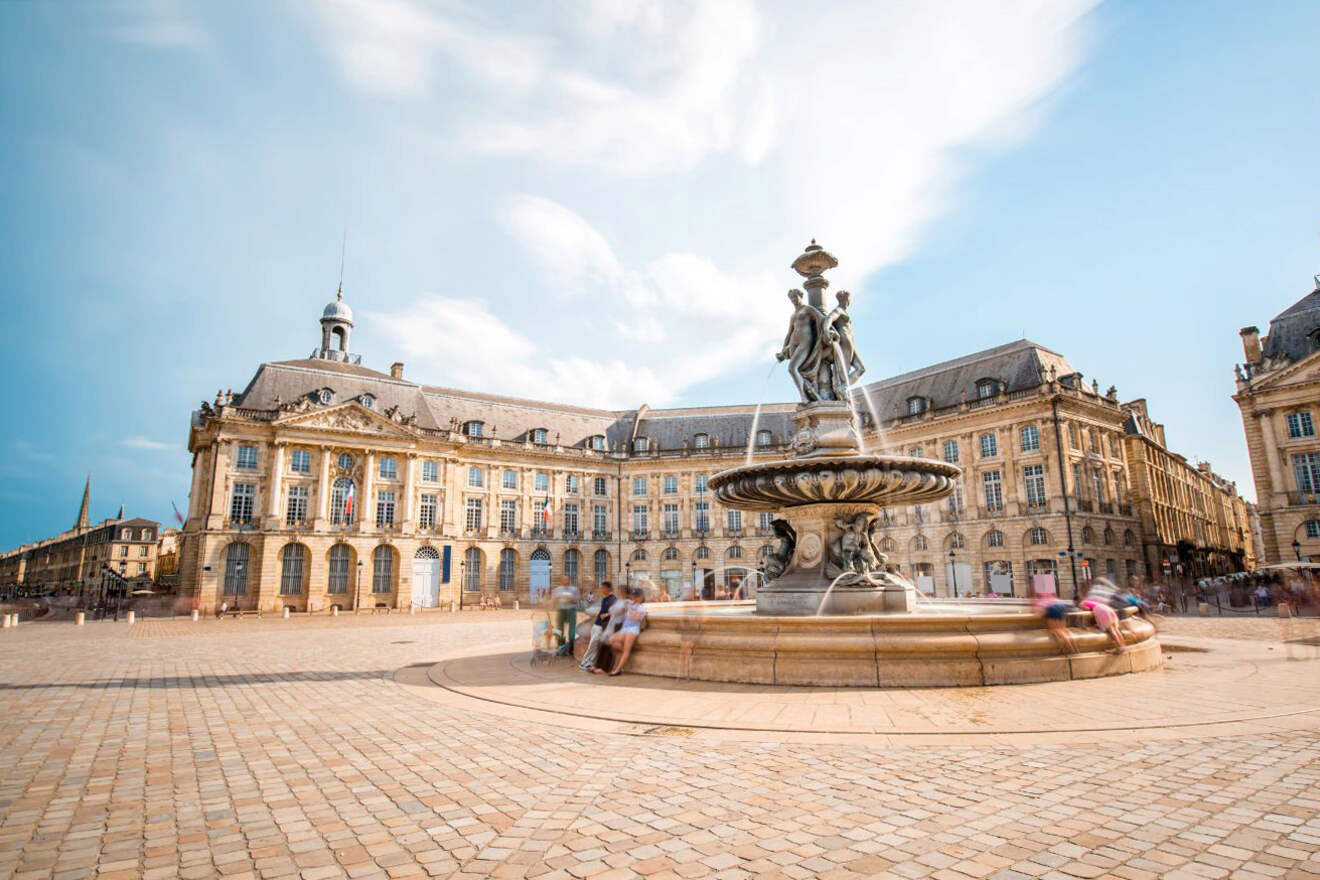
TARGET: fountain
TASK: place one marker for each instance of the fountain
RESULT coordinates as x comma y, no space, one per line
833,610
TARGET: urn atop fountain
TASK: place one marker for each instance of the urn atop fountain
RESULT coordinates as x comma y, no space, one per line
811,264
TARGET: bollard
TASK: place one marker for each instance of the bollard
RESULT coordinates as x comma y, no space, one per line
6,622
286,612
132,615
334,610
196,615
452,607
80,618
516,605
412,609
1204,608
1285,610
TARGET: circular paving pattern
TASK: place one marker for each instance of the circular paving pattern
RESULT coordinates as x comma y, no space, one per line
1215,686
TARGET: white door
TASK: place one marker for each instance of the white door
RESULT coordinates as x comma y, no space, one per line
538,571
426,581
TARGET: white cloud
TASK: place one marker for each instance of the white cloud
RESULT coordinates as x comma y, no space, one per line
139,442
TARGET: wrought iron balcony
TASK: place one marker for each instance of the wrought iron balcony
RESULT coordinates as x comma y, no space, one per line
510,533
1303,498
1106,507
1084,505
1038,507
733,533
764,531
640,534
601,535
540,534
571,535
1125,510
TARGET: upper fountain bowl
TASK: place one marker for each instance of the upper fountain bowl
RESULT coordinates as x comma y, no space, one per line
848,479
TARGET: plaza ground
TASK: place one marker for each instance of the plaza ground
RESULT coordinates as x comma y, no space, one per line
396,746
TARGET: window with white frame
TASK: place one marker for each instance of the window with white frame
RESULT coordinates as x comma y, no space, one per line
957,501
600,519
916,405
1300,425
571,518
989,446
473,429
572,484
382,570
994,490
700,483
389,468
572,564
1030,437
701,441
701,516
986,388
1306,468
472,517
639,485
295,509
1101,492
345,461
246,458
733,520
598,486
765,520
300,461
956,541
385,508
641,444
764,438
508,516
508,569
951,451
509,479
1038,536
476,477
291,569
1033,477
341,501
639,518
540,482
426,511
671,518
670,484
241,502
430,472
994,538
1313,528
597,442
540,436
920,543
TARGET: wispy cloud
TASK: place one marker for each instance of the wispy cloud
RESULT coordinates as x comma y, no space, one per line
139,442
28,452
161,24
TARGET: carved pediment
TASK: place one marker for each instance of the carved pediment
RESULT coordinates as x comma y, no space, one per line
1300,372
348,418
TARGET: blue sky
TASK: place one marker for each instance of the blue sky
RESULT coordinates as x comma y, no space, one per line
597,203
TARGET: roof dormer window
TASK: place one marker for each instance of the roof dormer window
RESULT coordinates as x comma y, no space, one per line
474,428
597,442
540,436
916,405
325,396
986,388
701,441
641,444
367,400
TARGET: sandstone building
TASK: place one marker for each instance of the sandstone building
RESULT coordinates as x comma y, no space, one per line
1278,393
326,483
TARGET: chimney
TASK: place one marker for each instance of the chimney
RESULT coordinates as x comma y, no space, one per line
1251,344
396,370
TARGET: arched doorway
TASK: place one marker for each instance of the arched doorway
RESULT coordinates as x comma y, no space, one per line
426,577
538,571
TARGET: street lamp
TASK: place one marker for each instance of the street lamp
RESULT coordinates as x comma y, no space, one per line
357,591
238,581
1297,549
627,576
953,570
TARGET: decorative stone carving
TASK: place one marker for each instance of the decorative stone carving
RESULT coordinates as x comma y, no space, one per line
850,479
777,562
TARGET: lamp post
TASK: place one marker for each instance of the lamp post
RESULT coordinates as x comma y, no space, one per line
238,580
357,590
953,571
627,575
1297,549
462,581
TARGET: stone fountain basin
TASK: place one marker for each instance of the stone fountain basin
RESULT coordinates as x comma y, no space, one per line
893,480
949,643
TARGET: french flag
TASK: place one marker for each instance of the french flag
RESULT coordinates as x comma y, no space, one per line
545,510
348,502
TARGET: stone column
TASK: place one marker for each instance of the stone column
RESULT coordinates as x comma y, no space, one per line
1278,483
367,507
273,485
409,487
323,490
219,477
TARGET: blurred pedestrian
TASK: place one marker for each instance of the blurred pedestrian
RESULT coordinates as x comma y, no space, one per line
565,599
633,621
1100,602
598,625
1055,612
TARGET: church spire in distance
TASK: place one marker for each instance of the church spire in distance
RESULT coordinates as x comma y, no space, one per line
83,522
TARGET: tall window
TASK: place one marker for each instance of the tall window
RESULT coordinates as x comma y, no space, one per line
639,518
540,482
602,566
599,519
700,483
671,484
382,570
994,491
1101,494
989,446
1094,439
994,538
475,477
764,438
1307,468
701,516
296,509
472,572
1077,480
1034,478
571,518
240,502
598,486
916,405
1038,536
291,571
572,563
572,485
300,461
384,508
701,441
951,451
733,520
920,543
389,468
641,444
1300,425
430,472
508,516
639,485
246,460
509,479
956,541
671,518
508,569
345,461
340,557
1313,528
765,520
956,499
472,522
236,569
1030,438
426,512
341,501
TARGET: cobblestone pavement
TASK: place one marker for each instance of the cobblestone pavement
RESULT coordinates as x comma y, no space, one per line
288,749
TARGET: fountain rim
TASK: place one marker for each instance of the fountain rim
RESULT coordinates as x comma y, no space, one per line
856,461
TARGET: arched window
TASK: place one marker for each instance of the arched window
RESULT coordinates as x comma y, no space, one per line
341,558
734,552
572,564
1109,536
382,570
426,553
986,388
324,396
702,552
701,441
368,401
343,501
956,541
670,553
292,569
920,543
1088,535
602,566
767,551
1129,538
764,438
916,405
1038,536
472,570
994,538
639,555
508,569
236,568
1313,528
887,545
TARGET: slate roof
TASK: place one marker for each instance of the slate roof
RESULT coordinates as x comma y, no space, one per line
1021,364
1292,331
512,418
289,381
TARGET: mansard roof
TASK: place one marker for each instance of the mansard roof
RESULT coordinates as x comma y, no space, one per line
1292,331
289,381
